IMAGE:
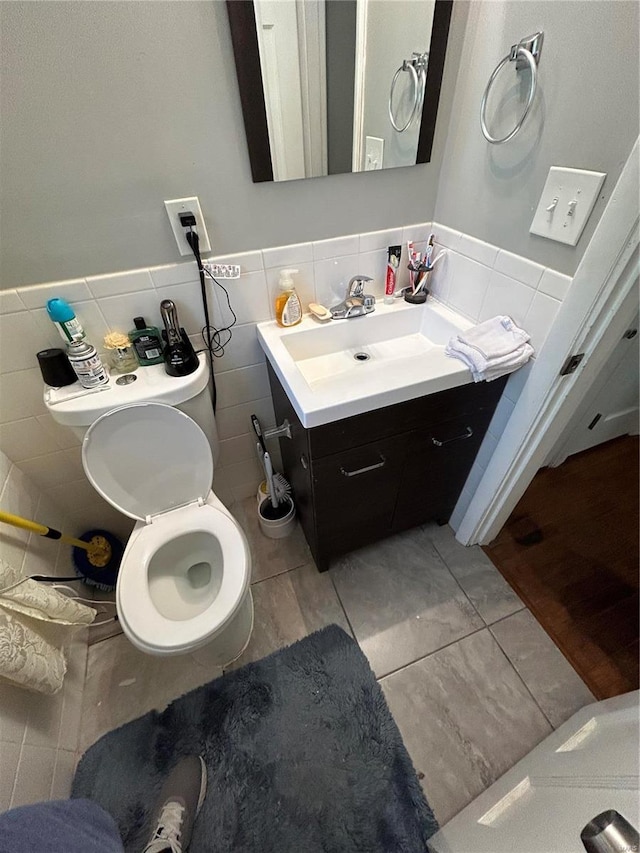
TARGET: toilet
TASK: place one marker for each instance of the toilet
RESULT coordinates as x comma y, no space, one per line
184,579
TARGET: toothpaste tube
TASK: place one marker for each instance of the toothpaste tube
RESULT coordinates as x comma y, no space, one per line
393,263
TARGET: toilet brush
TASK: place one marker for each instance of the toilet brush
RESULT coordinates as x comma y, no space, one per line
96,553
269,472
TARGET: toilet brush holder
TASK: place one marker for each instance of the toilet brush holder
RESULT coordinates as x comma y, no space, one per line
277,522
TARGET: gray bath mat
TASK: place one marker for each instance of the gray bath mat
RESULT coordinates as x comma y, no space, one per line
302,756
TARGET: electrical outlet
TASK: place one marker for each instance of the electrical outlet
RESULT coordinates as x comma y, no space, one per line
222,270
174,208
373,153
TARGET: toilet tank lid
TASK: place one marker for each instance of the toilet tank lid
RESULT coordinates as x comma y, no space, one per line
147,458
74,407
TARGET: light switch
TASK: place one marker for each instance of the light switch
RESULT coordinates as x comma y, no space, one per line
374,150
566,203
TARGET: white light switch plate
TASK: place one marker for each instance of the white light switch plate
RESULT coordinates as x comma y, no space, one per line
566,203
176,206
374,152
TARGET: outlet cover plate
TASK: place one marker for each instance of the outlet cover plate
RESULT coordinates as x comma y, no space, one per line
176,206
566,190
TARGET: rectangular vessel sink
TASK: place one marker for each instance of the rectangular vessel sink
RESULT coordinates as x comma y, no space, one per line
341,368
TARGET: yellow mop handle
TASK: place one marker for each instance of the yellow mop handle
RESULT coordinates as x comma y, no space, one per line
43,530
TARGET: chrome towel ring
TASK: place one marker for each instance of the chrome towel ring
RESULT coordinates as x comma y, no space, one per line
417,68
526,55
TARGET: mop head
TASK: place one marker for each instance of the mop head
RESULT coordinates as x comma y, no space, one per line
99,567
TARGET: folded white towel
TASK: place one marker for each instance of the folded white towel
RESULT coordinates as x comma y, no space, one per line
487,371
491,349
495,337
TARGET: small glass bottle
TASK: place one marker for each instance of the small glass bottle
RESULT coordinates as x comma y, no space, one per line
147,342
122,358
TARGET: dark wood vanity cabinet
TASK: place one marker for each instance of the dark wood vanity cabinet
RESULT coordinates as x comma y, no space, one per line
365,477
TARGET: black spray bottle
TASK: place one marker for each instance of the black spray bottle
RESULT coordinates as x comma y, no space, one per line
179,356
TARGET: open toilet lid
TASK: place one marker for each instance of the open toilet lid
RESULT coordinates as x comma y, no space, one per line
146,458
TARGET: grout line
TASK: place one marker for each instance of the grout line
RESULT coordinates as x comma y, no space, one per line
18,766
434,652
283,572
521,679
508,616
463,590
344,610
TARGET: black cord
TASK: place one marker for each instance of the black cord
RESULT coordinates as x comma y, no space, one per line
212,337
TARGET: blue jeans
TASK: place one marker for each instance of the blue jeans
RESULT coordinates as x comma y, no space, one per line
62,826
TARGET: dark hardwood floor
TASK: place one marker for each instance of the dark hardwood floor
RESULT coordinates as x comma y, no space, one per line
570,550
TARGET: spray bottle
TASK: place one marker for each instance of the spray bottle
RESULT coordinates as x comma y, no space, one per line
82,355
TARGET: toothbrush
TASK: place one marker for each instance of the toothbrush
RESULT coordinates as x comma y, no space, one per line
85,393
428,254
440,254
410,254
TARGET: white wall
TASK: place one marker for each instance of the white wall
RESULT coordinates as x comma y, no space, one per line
110,108
586,116
38,734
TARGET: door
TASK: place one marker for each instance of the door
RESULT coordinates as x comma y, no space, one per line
611,408
292,62
588,765
277,27
437,464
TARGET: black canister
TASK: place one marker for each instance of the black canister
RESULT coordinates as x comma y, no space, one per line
55,368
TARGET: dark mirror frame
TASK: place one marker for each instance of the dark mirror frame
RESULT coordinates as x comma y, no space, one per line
244,38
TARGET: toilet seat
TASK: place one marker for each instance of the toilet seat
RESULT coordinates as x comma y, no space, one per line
185,571
147,458
142,620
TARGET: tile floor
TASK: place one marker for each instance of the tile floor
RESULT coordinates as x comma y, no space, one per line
472,680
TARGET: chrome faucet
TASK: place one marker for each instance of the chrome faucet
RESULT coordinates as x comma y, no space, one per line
358,303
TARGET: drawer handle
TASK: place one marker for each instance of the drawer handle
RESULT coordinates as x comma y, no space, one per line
467,434
364,470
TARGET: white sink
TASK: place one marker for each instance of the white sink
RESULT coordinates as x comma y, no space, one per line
341,368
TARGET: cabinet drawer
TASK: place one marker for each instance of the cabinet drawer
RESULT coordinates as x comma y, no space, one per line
355,493
421,413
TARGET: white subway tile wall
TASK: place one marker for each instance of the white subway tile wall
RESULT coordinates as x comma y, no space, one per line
38,734
475,278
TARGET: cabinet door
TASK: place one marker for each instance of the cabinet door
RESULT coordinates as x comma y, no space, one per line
355,494
437,464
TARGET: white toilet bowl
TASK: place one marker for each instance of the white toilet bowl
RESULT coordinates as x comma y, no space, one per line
184,578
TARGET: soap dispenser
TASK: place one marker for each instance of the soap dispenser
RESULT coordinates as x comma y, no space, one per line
288,305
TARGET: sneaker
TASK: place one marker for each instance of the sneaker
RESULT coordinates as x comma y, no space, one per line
179,803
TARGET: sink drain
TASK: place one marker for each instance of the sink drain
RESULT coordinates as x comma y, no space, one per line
362,356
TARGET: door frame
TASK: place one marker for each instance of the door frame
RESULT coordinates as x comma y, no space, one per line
563,450
362,16
591,320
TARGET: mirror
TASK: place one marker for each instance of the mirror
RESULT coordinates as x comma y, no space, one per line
335,86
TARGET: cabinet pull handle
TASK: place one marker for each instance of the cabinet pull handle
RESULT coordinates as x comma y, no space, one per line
364,470
304,462
467,434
